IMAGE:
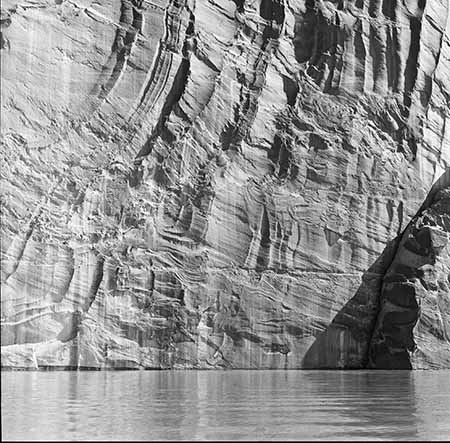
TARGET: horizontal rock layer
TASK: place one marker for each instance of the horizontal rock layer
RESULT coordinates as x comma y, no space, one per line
216,183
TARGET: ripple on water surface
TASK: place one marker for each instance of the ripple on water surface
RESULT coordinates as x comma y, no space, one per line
202,405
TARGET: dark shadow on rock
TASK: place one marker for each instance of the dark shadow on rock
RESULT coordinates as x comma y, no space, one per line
345,342
409,286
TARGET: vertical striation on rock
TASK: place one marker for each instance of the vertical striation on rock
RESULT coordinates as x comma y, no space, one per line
217,183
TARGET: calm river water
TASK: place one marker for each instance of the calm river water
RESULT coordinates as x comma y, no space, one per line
206,405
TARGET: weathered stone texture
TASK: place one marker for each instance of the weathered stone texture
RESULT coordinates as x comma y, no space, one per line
216,183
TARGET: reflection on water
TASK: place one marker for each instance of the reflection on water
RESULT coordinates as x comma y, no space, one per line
205,405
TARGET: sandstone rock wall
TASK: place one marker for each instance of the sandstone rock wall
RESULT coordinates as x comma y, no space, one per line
216,183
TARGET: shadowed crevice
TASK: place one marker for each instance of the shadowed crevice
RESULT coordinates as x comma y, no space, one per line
345,342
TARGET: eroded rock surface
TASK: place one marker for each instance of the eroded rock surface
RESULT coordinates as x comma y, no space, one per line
216,183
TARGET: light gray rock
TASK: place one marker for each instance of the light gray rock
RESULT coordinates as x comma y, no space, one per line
216,183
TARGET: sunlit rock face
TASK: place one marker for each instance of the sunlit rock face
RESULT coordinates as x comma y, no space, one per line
206,184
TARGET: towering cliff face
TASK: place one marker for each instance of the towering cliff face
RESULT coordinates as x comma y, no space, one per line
217,183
